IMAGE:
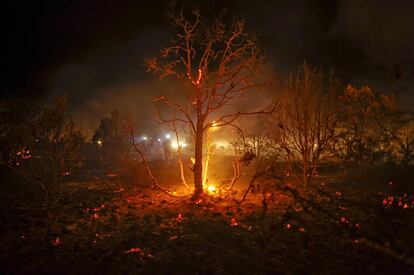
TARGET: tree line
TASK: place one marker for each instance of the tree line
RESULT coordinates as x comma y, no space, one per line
219,65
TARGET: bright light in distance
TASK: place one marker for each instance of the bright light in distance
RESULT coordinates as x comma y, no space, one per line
174,144
159,139
99,142
222,143
144,138
167,136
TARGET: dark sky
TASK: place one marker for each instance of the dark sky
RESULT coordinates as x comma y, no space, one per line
94,49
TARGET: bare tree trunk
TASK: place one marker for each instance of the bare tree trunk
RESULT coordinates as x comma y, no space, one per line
198,160
306,177
313,169
207,157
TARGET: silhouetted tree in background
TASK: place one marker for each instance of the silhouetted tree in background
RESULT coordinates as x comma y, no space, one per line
44,147
373,129
112,141
308,120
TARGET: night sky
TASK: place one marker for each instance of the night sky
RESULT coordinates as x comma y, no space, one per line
94,50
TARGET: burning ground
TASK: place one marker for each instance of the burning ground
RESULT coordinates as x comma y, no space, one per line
122,226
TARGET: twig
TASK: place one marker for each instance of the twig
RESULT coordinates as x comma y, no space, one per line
255,177
154,181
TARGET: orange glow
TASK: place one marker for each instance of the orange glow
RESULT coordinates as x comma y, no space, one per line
179,217
111,175
56,241
234,222
211,189
174,144
199,77
134,250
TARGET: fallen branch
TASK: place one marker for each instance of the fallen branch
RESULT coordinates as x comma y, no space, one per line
154,181
236,172
255,177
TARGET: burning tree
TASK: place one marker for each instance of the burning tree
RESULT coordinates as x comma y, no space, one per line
219,64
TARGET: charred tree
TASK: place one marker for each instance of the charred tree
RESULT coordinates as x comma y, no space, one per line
219,65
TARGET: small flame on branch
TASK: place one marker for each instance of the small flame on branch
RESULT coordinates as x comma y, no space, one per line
211,189
197,82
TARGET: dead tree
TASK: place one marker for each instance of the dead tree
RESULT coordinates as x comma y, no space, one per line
308,120
219,65
44,148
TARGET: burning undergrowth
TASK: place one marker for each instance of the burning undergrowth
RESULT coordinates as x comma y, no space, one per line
115,227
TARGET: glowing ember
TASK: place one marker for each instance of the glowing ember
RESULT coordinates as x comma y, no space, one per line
56,241
179,218
234,222
172,238
134,250
66,173
397,201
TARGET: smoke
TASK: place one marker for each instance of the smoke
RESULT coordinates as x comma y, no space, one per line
366,42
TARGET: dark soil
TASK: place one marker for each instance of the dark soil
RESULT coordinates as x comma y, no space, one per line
114,226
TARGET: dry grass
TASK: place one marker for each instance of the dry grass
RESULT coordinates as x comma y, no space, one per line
116,226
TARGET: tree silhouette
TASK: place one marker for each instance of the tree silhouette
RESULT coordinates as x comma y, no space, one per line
44,149
219,64
309,119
